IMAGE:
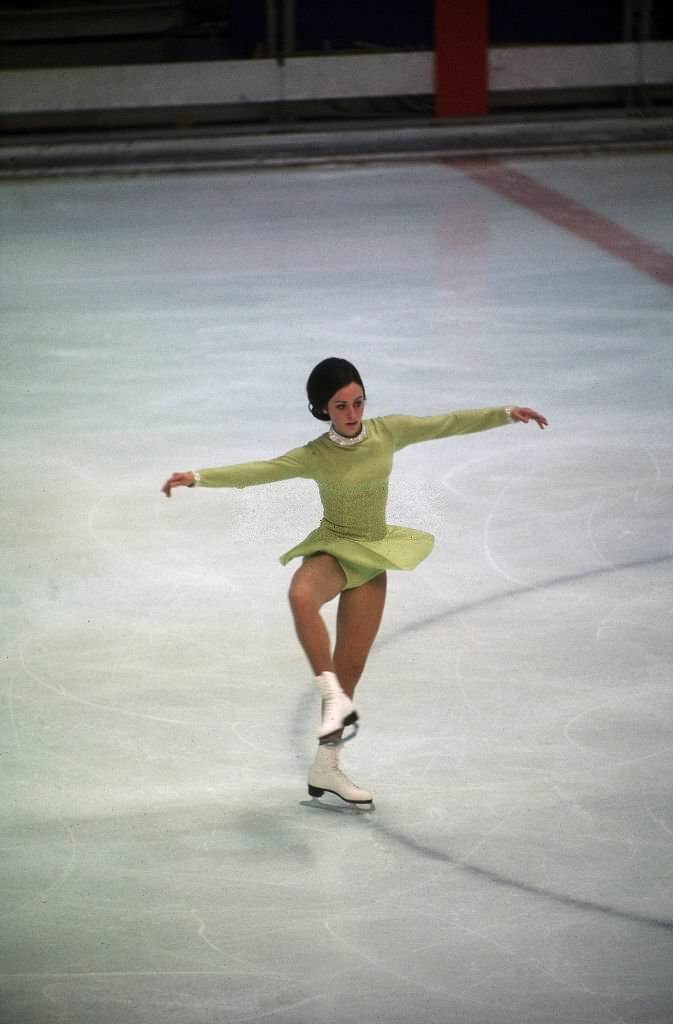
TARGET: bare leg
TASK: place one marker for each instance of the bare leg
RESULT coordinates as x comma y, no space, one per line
315,583
358,620
358,617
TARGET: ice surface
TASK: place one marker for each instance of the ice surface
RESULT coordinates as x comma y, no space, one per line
161,860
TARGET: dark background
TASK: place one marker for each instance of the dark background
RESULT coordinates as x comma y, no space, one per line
43,33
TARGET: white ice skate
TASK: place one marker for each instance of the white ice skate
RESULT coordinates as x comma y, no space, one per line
325,776
337,711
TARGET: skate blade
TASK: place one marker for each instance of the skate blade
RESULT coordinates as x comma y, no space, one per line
344,809
337,738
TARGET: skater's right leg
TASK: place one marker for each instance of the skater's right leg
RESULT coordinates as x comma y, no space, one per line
316,582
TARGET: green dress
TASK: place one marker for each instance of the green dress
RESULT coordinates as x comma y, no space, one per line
353,485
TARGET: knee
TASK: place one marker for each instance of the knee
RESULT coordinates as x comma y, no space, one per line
300,598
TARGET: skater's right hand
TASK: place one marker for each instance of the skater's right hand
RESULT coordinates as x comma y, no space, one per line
178,480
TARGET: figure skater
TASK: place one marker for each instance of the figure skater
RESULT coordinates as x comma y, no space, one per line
349,553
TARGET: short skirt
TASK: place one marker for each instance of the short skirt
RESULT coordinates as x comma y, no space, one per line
361,559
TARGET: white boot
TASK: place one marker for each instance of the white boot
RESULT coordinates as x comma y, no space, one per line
325,775
337,710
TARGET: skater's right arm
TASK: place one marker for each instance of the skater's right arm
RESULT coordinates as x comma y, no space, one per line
295,463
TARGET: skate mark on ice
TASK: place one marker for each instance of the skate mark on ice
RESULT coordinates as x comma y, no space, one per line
447,858
246,965
236,728
520,591
280,1009
307,705
496,878
657,821
376,963
606,706
41,896
69,695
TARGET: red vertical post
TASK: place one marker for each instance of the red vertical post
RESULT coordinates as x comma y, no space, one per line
461,57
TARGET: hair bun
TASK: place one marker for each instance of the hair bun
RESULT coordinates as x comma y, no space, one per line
325,379
318,413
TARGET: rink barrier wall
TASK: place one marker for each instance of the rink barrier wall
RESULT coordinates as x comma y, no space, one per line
235,83
438,139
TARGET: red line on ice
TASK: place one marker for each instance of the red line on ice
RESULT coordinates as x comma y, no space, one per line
573,217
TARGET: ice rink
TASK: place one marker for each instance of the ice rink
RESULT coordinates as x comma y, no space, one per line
162,862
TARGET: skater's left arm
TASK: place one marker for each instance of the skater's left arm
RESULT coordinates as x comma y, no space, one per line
412,429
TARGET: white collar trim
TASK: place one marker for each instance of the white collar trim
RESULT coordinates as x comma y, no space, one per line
347,442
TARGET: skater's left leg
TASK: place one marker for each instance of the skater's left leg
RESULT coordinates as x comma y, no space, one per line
358,619
325,775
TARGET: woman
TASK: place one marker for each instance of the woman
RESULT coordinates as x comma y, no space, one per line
349,553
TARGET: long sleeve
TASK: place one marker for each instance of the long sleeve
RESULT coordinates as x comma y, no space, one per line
413,429
248,474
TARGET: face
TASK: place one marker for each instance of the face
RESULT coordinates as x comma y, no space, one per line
345,409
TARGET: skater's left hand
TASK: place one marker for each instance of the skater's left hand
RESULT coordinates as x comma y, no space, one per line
523,415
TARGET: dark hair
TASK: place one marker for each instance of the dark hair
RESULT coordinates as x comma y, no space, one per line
325,380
